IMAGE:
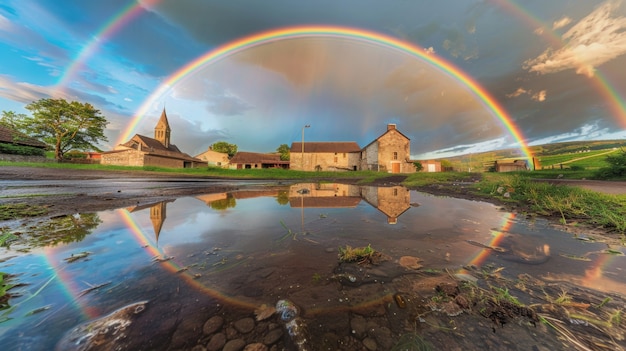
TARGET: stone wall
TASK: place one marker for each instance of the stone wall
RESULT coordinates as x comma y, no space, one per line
325,161
157,161
24,158
124,158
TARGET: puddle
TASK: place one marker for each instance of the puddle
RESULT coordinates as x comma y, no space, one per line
210,270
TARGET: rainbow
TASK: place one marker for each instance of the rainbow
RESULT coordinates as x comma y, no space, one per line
262,38
172,266
497,237
617,104
106,31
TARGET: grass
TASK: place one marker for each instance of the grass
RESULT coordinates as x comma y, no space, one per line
570,204
12,211
357,254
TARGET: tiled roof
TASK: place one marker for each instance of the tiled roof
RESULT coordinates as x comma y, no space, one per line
154,147
333,146
254,157
10,136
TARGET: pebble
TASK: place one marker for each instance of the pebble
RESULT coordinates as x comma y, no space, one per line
273,336
212,325
358,324
217,342
370,344
234,345
255,347
244,325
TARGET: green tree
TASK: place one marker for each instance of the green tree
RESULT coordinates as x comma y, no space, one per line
66,125
222,146
13,120
418,166
284,152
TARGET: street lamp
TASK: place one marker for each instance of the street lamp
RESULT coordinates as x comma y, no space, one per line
302,145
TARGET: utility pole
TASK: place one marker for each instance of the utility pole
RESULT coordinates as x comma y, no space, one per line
302,145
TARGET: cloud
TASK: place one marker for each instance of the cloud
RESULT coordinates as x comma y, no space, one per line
561,23
540,96
598,38
537,96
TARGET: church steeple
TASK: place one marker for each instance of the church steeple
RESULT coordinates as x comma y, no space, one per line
157,217
162,130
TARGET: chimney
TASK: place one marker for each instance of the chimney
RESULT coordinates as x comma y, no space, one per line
391,126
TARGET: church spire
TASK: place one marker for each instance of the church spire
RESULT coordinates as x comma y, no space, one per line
162,130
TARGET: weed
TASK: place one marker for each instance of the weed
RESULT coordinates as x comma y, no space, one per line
358,254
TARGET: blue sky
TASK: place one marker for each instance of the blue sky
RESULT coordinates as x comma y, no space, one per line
544,62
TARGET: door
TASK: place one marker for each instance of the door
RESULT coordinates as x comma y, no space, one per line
395,167
432,168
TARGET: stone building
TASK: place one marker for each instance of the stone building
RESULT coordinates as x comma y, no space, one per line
325,156
141,150
214,158
390,152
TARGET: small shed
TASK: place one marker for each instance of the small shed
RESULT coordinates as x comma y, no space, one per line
254,160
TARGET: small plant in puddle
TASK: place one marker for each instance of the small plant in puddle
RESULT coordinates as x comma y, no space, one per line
316,278
4,294
357,254
502,294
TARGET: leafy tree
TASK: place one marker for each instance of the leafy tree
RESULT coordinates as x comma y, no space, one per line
13,120
66,125
222,146
418,166
283,150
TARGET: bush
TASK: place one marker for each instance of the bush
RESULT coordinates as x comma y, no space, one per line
20,150
616,168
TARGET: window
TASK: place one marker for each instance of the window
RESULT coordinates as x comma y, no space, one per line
344,155
395,155
335,159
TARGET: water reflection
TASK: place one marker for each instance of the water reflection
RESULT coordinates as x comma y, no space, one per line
233,252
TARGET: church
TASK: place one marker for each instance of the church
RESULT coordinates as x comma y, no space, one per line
141,151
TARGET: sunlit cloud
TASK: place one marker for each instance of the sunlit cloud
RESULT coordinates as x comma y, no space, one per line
561,23
594,40
540,96
518,92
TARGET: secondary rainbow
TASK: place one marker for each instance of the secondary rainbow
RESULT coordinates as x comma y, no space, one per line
106,31
383,40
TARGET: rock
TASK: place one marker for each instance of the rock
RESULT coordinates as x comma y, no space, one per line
358,326
245,325
410,262
107,332
255,347
273,336
383,337
370,344
212,325
234,345
198,348
217,342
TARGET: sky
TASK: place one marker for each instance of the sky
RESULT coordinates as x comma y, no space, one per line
455,76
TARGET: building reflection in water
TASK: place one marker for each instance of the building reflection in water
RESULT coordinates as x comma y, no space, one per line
391,201
158,214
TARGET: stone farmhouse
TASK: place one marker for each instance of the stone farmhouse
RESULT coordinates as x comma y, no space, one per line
141,150
390,152
214,158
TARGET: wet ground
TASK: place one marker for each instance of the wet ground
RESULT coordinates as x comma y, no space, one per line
262,269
